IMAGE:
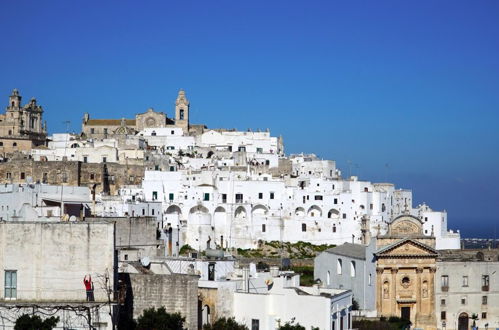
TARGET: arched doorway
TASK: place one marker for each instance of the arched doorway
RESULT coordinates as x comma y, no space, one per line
206,315
463,323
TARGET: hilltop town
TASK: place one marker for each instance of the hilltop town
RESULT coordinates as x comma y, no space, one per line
208,222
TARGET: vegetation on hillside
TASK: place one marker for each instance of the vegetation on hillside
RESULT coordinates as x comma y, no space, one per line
276,249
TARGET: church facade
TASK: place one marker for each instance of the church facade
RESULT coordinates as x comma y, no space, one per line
21,127
106,128
406,267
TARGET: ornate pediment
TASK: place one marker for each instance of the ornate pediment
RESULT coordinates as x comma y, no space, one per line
406,226
407,248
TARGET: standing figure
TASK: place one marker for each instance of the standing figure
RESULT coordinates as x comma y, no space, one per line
89,287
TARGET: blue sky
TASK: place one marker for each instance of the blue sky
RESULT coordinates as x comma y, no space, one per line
414,85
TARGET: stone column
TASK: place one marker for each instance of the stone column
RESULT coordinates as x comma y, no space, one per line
419,271
379,290
394,292
431,291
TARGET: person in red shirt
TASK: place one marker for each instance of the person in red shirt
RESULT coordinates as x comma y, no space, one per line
89,287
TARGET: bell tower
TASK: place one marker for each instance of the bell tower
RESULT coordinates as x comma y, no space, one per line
182,111
15,100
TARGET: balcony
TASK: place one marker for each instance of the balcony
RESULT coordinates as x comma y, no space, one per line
445,288
485,288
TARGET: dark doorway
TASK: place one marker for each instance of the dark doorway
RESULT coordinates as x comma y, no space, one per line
211,271
405,313
463,323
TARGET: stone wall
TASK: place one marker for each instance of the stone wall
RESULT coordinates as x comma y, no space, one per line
52,258
136,233
101,177
177,293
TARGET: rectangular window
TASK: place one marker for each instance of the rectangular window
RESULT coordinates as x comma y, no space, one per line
104,159
255,324
336,201
484,315
443,316
22,176
371,206
260,195
263,228
271,195
92,130
172,168
259,150
154,195
105,130
8,175
442,302
485,282
344,215
10,284
445,282
85,159
239,198
318,197
224,198
465,280
171,196
484,300
206,197
303,227
463,301
156,167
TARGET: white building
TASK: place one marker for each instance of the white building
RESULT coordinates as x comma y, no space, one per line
286,301
43,265
467,283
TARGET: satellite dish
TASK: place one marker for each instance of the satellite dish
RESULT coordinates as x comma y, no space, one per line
72,218
145,261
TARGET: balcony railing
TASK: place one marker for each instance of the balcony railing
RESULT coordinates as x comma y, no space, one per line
445,288
485,288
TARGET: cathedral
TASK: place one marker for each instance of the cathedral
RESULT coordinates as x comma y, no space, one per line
21,127
106,128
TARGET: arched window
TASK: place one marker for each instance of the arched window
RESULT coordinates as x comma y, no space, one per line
14,144
10,132
334,228
339,267
328,278
352,268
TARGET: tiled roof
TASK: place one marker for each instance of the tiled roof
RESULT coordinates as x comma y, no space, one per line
110,122
356,251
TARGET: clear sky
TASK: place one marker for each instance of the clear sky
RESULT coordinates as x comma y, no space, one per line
411,84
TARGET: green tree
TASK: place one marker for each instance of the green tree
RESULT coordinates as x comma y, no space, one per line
34,322
291,326
159,319
225,324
